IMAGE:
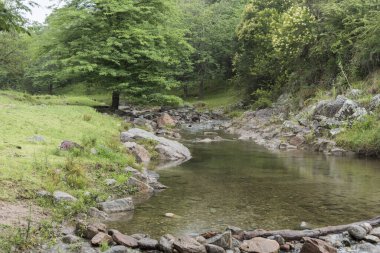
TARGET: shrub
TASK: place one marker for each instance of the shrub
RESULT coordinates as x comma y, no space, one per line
261,98
165,100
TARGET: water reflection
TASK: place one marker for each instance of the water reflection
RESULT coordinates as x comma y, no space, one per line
241,184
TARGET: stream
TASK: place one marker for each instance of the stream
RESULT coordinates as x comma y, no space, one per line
242,184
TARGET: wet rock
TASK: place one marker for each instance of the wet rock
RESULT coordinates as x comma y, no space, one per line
305,225
286,247
69,145
336,240
375,232
278,238
260,245
140,185
138,151
222,240
139,236
372,239
101,238
313,245
63,196
185,244
168,149
357,232
148,244
165,120
96,213
70,239
118,205
235,231
117,249
166,243
201,240
338,151
124,240
211,248
170,215
366,248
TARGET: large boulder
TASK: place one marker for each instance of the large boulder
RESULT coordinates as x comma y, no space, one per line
375,102
313,245
166,243
165,120
357,232
148,244
186,244
375,232
101,238
118,205
140,153
350,110
260,245
222,240
63,196
168,149
329,108
124,240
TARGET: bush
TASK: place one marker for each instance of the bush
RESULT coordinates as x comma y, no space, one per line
262,99
165,100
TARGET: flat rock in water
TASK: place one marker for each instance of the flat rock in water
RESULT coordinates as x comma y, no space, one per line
357,232
372,239
186,244
148,244
166,243
118,205
313,245
124,240
223,240
260,245
101,238
211,248
63,196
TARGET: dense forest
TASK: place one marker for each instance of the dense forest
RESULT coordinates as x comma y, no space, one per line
151,50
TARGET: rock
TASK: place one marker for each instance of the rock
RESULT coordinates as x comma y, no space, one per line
350,110
140,153
338,151
372,239
336,131
168,149
278,238
101,238
118,205
375,102
89,231
117,249
148,244
70,239
170,215
366,248
69,145
96,213
260,245
286,247
222,240
124,240
63,196
329,108
110,181
141,186
366,226
354,93
375,232
210,133
166,243
201,239
139,236
235,243
43,193
336,240
357,232
235,231
37,138
313,245
297,140
211,248
165,120
186,244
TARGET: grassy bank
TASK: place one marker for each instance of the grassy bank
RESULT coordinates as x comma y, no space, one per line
31,130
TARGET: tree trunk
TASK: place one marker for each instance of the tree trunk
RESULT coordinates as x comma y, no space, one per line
298,234
115,100
50,89
201,89
185,91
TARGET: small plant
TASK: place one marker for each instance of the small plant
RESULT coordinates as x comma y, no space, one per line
104,247
87,117
261,99
75,174
89,141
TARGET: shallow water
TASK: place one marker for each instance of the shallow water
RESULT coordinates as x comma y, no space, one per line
241,184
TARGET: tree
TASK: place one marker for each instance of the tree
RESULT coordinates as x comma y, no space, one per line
128,46
11,18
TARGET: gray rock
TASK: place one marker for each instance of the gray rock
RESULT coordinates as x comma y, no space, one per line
37,138
372,239
43,193
96,213
117,249
354,93
329,108
375,102
141,154
118,205
278,238
166,243
313,245
63,196
140,185
186,244
357,232
366,226
70,239
350,110
222,240
375,232
168,149
139,236
148,244
110,181
69,145
366,248
336,240
211,248
338,151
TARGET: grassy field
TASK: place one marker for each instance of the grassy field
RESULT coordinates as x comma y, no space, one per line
31,130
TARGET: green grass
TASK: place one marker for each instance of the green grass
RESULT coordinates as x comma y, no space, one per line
363,137
27,165
219,99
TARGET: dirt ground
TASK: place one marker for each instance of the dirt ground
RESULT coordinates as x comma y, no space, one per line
17,214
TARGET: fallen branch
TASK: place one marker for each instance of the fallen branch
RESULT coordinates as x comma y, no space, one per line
299,234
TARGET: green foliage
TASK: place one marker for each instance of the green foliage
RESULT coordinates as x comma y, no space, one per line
169,100
363,137
262,99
